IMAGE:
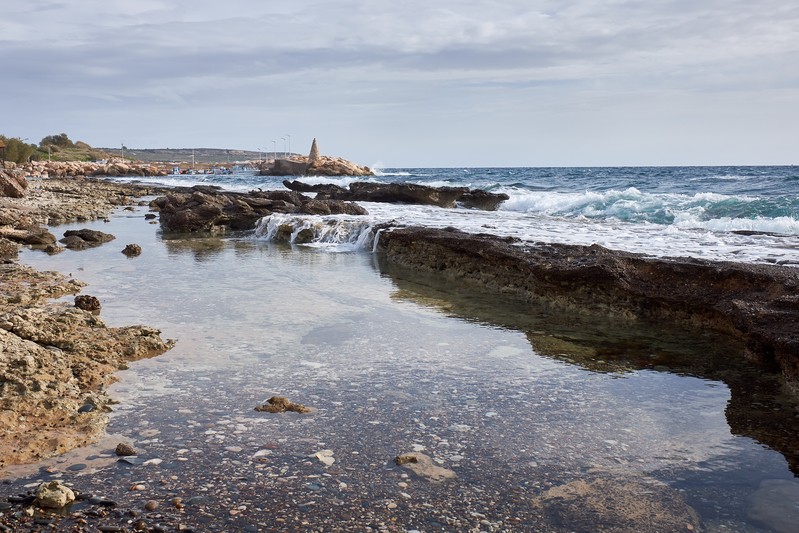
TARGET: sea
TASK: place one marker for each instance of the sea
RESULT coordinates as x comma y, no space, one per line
529,418
748,214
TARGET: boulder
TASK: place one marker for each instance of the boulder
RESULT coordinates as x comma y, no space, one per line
13,183
54,495
132,250
87,302
331,207
201,209
480,199
90,235
304,187
28,234
8,249
84,238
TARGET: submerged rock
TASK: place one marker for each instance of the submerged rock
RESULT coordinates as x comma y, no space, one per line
279,404
423,466
618,503
776,505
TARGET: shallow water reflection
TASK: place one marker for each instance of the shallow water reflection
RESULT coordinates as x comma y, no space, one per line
551,422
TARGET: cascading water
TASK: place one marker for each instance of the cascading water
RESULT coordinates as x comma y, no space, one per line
334,231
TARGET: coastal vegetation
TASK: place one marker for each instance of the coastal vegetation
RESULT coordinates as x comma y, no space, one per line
57,147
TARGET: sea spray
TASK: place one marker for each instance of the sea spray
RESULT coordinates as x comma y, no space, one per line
334,231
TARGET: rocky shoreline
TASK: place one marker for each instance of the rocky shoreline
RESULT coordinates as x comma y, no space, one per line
56,358
756,305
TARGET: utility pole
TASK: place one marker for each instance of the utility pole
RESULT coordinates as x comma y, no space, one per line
289,136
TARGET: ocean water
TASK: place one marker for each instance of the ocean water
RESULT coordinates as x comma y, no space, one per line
551,421
746,214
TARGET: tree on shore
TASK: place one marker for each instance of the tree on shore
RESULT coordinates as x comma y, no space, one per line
17,150
61,140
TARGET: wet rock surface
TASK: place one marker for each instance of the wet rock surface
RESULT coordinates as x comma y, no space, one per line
56,360
132,250
205,209
403,193
85,238
279,404
755,304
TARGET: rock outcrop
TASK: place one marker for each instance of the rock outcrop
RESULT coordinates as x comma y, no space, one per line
314,164
12,183
403,193
55,361
757,305
199,209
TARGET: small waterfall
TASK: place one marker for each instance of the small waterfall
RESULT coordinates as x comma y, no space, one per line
335,231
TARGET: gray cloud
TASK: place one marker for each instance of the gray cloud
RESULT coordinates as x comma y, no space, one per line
347,66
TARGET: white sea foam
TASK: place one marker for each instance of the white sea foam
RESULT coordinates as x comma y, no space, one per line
346,233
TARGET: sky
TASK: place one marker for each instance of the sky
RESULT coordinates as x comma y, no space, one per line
413,83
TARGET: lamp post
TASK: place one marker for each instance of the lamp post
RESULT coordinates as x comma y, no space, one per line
289,137
122,144
284,147
274,149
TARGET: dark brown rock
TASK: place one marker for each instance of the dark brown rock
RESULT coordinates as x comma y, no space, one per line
12,183
757,305
480,199
201,209
87,302
331,207
405,193
305,187
8,249
132,250
397,193
84,238
279,404
28,234
124,449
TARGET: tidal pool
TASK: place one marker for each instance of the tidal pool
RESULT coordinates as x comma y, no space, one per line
550,421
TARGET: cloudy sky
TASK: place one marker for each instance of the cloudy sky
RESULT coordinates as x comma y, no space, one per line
413,83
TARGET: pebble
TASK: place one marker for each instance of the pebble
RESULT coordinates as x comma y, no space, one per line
151,505
138,486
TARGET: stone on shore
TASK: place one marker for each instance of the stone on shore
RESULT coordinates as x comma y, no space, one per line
87,302
54,495
12,183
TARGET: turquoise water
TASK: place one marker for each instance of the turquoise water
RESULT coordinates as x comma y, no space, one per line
517,400
746,214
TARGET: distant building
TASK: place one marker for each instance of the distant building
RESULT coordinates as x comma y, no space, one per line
2,150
